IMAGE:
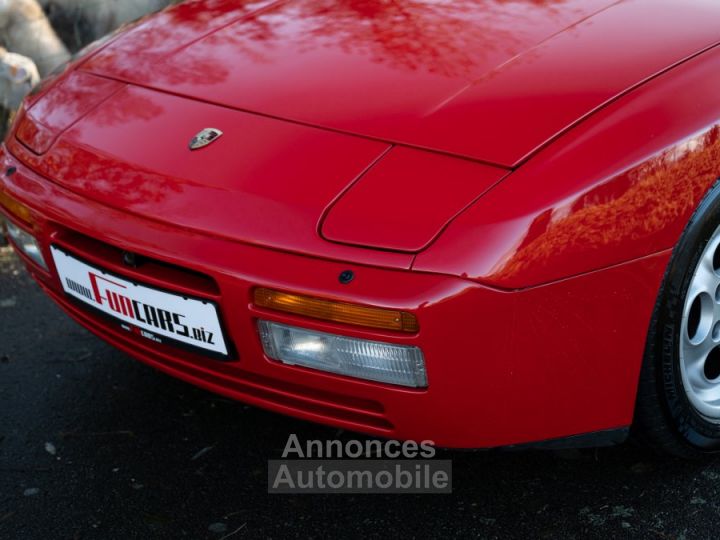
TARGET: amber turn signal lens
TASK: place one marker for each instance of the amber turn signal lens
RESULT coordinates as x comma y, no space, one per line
15,208
341,312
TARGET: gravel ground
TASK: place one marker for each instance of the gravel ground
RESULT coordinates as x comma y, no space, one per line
96,445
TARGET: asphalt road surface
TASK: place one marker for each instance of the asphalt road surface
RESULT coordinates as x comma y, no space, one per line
96,445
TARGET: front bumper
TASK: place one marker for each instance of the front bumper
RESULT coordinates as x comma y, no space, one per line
504,367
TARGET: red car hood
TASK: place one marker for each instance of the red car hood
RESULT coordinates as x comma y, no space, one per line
488,79
292,84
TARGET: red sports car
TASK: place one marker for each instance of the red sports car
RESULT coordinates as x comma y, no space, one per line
485,223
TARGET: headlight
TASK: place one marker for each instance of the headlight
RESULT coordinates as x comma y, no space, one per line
371,360
26,243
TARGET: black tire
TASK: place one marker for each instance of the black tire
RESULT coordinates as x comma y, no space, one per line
664,417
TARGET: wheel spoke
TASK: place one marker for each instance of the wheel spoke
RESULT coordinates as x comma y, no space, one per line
710,395
704,281
694,360
700,335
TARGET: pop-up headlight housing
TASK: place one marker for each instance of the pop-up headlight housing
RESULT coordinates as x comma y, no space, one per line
58,108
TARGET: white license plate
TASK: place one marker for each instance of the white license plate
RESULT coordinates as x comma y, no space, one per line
153,314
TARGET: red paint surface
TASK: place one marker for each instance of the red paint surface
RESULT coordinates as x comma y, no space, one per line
514,173
489,79
393,206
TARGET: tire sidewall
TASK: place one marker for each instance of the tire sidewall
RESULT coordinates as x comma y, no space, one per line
692,427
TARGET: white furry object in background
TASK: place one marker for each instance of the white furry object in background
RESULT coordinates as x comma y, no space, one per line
103,16
24,29
18,75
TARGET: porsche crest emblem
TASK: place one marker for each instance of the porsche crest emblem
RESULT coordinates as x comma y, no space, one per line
205,137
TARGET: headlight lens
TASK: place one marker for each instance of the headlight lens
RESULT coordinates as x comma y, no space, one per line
364,359
26,243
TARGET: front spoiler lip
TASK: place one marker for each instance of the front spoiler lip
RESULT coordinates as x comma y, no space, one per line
370,423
